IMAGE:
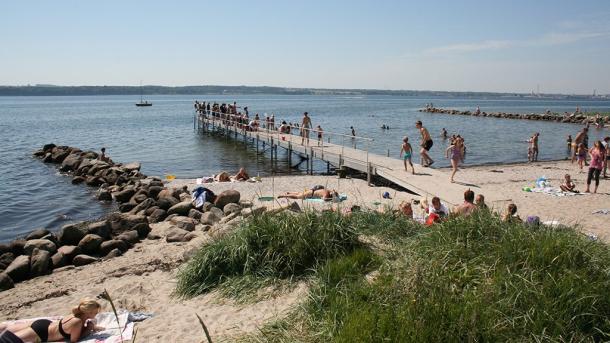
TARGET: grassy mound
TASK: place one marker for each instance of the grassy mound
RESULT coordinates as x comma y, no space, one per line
278,246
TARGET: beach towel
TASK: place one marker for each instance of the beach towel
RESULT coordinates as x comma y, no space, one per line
107,320
341,197
551,191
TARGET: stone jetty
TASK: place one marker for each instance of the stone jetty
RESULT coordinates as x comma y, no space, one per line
572,118
141,201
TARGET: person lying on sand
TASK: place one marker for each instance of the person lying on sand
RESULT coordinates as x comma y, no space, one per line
242,175
321,193
222,177
70,328
568,185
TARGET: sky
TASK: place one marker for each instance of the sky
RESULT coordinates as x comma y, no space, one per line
468,45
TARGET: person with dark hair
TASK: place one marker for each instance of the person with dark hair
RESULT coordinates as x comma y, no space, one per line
103,156
480,202
426,144
511,214
466,208
597,153
606,144
305,128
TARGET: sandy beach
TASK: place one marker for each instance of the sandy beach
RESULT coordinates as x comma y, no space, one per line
144,278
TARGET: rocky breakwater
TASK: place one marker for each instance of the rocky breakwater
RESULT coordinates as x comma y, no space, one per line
574,118
142,202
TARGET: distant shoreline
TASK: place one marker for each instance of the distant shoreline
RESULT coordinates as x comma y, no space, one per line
52,90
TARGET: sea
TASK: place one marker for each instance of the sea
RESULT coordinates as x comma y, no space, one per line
162,137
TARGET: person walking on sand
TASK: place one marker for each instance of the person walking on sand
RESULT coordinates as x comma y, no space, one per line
456,153
305,128
580,138
597,154
407,152
426,144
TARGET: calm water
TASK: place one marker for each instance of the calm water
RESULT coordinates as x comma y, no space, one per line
162,138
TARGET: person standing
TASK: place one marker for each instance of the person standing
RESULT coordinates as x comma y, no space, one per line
305,128
426,144
455,152
597,154
319,132
535,147
580,138
407,152
606,144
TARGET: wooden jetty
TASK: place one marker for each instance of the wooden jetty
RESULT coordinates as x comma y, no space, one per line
427,182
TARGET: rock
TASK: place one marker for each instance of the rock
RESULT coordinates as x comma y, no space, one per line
184,223
209,218
185,197
104,195
48,147
36,234
126,207
153,236
90,244
42,244
254,211
138,198
58,156
48,158
153,191
131,166
168,218
81,260
39,153
78,180
113,253
16,247
71,162
121,222
59,260
143,205
53,238
179,235
40,263
5,282
6,259
231,208
207,206
143,229
131,237
157,216
19,269
227,197
193,213
4,248
181,208
124,195
165,193
206,228
69,251
101,228
228,218
71,234
94,181
166,203
112,244
246,203
217,211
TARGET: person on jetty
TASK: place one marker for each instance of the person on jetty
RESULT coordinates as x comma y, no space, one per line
406,151
318,192
468,206
478,111
511,215
455,152
353,131
568,185
103,156
305,128
598,154
426,144
581,138
320,132
70,328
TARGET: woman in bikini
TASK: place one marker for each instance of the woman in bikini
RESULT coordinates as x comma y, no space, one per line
408,152
70,328
314,193
456,153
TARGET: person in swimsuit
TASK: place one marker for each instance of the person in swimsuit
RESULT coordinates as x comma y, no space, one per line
468,206
568,185
426,144
597,153
319,131
456,153
407,151
314,193
581,152
535,147
242,175
70,328
569,142
305,128
581,137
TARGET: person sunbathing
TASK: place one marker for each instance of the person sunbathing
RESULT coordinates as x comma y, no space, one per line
242,175
70,328
568,185
321,193
222,177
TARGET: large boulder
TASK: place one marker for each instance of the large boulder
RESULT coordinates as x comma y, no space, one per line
90,244
143,229
166,202
195,214
184,223
179,235
48,147
42,244
40,263
210,218
78,180
6,259
69,251
143,205
131,166
124,195
153,191
59,260
17,246
71,162
5,282
104,195
231,208
181,208
81,260
36,234
126,207
227,197
130,237
4,248
94,181
157,216
58,155
113,253
112,244
121,222
19,269
71,234
101,228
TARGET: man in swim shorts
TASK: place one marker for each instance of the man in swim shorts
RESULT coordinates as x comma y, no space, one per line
580,138
305,128
426,144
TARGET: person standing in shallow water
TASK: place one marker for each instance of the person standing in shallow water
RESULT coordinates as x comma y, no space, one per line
426,144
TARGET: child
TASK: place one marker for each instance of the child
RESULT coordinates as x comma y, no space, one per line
319,131
511,214
408,152
581,152
569,141
568,185
457,155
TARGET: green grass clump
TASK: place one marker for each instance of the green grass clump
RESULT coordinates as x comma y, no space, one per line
284,245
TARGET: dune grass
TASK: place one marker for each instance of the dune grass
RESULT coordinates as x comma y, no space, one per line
470,279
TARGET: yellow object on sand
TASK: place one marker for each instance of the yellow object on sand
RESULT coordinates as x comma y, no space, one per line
170,177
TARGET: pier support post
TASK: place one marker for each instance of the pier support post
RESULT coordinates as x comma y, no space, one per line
368,174
290,154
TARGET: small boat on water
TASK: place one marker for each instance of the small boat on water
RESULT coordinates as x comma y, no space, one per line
142,103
